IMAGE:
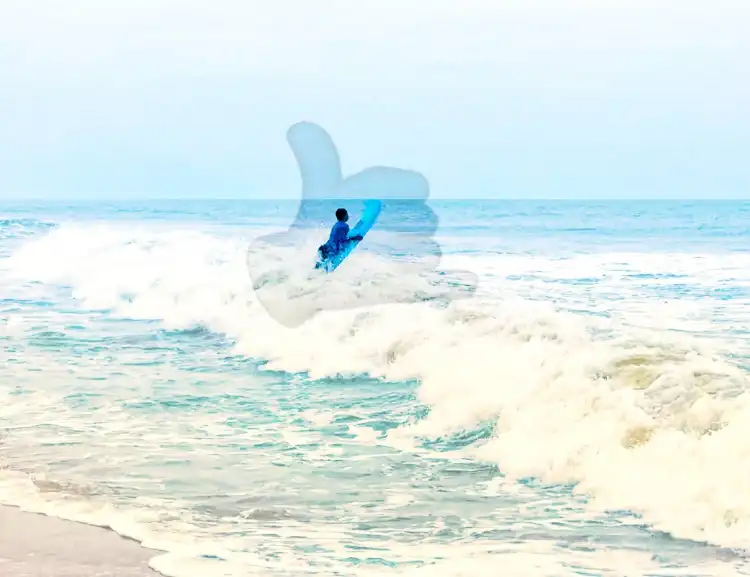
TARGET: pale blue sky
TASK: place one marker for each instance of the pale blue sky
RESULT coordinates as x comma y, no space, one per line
502,99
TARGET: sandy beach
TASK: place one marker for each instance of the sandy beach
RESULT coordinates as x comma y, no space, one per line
34,545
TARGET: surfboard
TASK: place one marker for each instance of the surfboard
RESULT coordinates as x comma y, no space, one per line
363,226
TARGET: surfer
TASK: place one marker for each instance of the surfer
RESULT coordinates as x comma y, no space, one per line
339,236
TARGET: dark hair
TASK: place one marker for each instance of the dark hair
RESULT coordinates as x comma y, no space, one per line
341,214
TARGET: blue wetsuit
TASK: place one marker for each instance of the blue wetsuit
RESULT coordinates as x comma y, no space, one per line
337,240
339,235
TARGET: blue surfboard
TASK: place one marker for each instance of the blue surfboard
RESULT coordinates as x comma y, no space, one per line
363,226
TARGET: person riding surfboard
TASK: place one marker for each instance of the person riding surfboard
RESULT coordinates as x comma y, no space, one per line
339,236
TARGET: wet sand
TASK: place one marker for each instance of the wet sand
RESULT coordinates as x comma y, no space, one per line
34,545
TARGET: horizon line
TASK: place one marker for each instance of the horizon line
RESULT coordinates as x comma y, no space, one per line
319,199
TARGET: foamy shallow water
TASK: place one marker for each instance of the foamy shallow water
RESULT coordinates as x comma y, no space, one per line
585,413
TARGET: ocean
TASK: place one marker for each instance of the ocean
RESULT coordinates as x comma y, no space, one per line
573,401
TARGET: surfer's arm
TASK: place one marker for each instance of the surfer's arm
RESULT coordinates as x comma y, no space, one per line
355,237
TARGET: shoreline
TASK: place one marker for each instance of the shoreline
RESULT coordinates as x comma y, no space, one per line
36,545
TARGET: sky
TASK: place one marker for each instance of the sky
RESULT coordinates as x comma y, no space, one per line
579,99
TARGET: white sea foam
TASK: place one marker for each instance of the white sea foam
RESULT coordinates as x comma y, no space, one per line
642,418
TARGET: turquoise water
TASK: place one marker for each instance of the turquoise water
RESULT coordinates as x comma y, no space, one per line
584,413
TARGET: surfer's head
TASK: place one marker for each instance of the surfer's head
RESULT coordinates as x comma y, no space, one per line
342,215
